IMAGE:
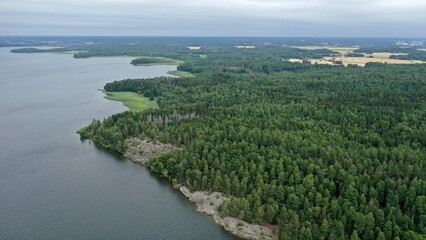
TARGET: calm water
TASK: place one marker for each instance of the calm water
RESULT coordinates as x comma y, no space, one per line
55,186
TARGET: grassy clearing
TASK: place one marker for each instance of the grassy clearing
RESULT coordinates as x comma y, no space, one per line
180,74
135,102
148,61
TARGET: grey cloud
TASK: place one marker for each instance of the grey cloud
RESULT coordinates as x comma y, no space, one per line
214,17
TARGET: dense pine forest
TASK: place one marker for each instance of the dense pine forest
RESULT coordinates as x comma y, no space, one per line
325,152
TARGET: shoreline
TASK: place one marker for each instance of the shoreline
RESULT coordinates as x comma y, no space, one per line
139,151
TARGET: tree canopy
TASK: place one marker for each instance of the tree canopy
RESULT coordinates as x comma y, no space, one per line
324,152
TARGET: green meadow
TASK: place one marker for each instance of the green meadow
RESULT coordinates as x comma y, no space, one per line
135,102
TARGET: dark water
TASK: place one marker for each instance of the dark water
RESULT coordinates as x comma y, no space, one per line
55,186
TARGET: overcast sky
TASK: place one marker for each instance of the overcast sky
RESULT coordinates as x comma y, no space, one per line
362,18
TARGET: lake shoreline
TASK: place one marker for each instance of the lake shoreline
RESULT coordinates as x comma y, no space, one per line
205,202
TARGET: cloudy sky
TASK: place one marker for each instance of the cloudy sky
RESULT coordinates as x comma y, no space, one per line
362,18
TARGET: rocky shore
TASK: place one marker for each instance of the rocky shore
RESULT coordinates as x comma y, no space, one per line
209,203
139,151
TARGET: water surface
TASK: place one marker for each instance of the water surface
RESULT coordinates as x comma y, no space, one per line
55,186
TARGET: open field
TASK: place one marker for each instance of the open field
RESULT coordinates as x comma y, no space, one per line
341,50
383,55
361,61
294,60
135,102
180,74
380,57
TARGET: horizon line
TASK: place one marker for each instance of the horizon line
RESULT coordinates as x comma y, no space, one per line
216,36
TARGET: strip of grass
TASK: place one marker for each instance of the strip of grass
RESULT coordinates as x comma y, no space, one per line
180,74
135,102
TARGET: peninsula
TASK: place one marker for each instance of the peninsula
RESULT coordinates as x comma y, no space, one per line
278,149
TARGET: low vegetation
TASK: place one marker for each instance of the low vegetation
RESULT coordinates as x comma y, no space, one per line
134,101
178,73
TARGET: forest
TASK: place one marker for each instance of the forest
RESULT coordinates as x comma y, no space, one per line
324,152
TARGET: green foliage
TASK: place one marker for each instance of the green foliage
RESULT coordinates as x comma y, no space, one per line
355,55
325,152
154,61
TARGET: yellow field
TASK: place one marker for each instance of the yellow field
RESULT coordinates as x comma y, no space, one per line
295,60
380,57
361,61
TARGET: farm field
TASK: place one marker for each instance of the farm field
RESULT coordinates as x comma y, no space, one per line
361,61
379,57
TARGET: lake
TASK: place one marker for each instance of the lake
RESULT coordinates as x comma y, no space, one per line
53,185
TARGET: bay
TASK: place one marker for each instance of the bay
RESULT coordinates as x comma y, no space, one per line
53,185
